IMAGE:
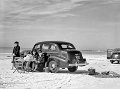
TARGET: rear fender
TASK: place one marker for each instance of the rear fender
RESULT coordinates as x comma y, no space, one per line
82,60
61,62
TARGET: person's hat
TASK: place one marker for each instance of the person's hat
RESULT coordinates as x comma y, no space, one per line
16,42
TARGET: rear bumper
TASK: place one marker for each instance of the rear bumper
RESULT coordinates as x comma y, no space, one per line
79,64
115,59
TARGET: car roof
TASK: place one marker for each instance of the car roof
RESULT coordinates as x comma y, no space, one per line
56,42
116,52
117,49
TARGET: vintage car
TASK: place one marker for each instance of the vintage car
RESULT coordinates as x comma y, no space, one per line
113,55
60,55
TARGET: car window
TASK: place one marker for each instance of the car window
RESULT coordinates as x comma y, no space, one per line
45,47
37,46
67,46
53,47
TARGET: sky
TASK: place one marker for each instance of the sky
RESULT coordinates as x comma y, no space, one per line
88,24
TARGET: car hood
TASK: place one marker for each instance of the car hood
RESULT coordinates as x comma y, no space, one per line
116,56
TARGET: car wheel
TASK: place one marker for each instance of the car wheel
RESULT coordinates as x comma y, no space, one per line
40,67
73,69
118,62
112,61
53,67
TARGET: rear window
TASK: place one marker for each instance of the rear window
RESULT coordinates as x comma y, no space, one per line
67,46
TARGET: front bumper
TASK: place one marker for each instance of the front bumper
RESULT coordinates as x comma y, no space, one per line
79,64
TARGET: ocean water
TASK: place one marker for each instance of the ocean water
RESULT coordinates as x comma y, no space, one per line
9,49
6,53
94,52
90,52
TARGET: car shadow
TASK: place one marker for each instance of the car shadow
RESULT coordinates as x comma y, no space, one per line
77,72
105,74
115,63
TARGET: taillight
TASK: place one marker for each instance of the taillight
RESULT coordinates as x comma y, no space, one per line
77,56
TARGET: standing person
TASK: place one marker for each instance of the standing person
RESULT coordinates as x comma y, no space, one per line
16,51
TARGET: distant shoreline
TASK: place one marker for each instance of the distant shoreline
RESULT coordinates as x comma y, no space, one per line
8,50
5,53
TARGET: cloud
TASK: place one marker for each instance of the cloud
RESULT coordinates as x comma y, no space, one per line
78,0
17,11
113,1
99,1
52,9
63,15
49,9
26,10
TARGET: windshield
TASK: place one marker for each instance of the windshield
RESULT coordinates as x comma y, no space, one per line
67,46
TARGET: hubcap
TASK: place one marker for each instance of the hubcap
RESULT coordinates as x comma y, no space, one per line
53,66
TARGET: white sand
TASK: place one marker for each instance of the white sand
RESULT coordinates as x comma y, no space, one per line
61,80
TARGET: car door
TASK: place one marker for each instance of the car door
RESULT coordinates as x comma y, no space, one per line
56,52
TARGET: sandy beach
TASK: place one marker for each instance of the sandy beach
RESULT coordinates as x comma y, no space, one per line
90,25
63,79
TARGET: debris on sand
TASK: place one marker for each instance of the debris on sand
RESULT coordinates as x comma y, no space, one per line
107,74
91,71
104,74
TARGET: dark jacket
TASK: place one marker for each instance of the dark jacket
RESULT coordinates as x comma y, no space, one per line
16,50
36,56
